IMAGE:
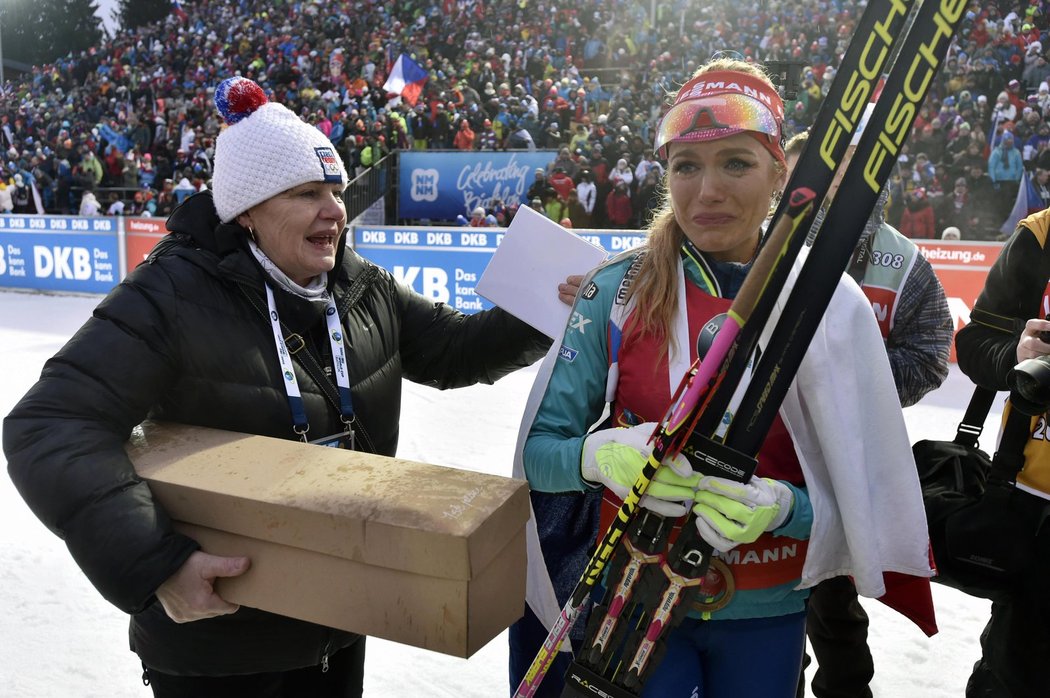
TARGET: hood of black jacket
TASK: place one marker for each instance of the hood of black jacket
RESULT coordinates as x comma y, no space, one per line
197,219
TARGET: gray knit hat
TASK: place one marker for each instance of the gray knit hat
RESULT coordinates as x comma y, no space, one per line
264,149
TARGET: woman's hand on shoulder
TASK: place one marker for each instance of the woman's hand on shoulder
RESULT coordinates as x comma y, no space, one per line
189,594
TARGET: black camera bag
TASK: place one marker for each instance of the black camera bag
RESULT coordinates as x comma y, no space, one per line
982,529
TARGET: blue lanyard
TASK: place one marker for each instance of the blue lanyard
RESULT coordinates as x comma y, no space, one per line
301,424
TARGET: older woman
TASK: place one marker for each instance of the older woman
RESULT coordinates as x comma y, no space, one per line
631,338
243,292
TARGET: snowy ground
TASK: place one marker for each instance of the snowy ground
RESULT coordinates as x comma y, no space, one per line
60,639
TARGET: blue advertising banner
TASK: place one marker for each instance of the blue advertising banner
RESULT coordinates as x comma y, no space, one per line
445,263
613,241
440,186
59,253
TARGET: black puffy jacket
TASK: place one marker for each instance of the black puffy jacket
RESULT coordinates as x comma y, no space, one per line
186,338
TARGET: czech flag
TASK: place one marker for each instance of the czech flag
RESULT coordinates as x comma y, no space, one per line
406,79
176,9
1026,203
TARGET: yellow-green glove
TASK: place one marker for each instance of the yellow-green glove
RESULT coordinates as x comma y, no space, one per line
729,513
614,458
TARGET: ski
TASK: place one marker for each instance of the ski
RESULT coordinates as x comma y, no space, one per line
906,87
921,54
643,546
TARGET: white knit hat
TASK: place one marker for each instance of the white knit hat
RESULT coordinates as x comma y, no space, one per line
264,149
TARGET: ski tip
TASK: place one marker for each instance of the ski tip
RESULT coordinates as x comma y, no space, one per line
801,197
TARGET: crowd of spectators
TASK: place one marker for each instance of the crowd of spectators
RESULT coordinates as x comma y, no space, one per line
132,120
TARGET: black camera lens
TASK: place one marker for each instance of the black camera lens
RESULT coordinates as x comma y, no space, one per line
1030,385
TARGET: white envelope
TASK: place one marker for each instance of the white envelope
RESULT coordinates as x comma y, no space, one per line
535,255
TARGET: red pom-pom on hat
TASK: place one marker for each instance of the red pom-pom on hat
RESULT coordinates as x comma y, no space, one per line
238,98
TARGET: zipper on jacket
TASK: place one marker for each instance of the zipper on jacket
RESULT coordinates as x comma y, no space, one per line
324,655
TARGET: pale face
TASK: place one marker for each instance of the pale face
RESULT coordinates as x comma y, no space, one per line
299,229
720,192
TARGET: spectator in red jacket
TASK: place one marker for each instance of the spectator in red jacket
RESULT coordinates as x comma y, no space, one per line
618,206
464,139
917,221
562,183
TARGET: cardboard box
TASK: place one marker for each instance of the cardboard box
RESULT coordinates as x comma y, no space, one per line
415,553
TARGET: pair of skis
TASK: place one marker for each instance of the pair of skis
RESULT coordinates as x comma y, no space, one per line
693,422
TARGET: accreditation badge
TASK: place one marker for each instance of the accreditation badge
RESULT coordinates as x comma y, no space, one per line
343,439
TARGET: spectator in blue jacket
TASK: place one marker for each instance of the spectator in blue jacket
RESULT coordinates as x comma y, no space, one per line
1005,169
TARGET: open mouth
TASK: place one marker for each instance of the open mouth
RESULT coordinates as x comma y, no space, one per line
322,240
